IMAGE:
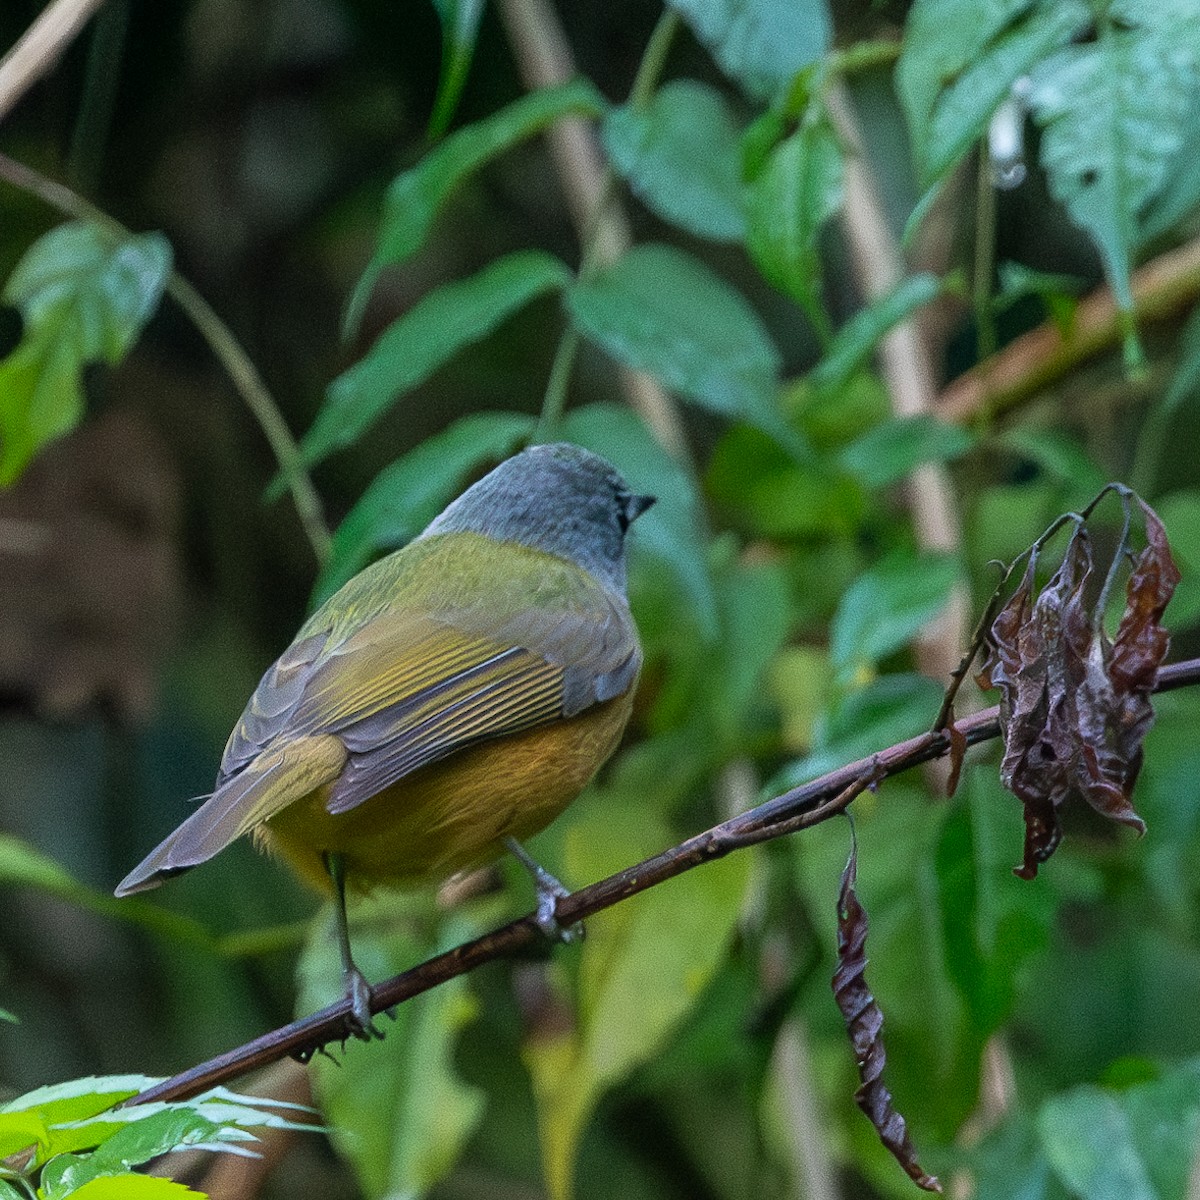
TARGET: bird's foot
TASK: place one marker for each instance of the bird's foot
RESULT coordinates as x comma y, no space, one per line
358,1020
549,893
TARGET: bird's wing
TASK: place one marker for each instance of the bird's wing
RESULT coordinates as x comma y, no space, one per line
455,686
406,689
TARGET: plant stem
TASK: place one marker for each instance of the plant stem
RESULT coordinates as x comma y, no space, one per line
654,59
985,255
220,338
545,59
1038,358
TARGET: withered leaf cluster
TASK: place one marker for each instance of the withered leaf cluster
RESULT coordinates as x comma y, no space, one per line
864,1023
1075,705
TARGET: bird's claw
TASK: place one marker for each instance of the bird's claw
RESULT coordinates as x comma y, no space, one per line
549,893
358,1020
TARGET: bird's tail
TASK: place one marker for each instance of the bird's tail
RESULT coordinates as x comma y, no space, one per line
267,785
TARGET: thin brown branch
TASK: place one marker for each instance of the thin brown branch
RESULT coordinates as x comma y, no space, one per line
799,808
1161,289
40,47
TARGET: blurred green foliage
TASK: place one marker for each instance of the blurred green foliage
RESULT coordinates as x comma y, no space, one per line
318,166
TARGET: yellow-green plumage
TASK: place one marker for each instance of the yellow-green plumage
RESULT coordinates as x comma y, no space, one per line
458,692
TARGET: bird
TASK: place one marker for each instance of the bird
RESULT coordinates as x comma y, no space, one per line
446,703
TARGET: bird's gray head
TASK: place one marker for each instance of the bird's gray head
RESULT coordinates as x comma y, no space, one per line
557,498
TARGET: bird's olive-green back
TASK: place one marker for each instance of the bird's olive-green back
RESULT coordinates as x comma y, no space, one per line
454,639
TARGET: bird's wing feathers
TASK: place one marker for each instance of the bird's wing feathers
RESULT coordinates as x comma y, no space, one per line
406,689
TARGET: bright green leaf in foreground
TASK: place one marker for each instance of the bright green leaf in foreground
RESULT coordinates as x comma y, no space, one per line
680,155
19,1130
406,496
84,295
134,1187
416,196
760,43
136,1143
427,336
798,189
659,310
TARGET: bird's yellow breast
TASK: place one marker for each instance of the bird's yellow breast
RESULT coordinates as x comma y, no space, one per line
455,813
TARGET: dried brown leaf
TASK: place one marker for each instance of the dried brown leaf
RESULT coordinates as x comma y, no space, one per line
864,1023
1075,707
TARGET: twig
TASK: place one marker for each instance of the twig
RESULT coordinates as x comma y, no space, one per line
40,46
544,57
799,808
221,341
1038,358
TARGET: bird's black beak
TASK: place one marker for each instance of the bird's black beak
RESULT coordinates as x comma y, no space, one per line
636,505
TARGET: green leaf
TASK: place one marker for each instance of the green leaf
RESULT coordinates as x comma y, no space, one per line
79,1098
19,1130
460,28
751,477
1180,513
755,620
666,944
1113,113
399,1112
134,1187
21,865
856,340
1010,1165
1180,193
886,607
960,60
680,155
797,191
760,43
406,496
416,196
661,311
84,296
1185,383
992,922
11,1018
422,340
1086,1136
136,1143
887,453
672,532
888,710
